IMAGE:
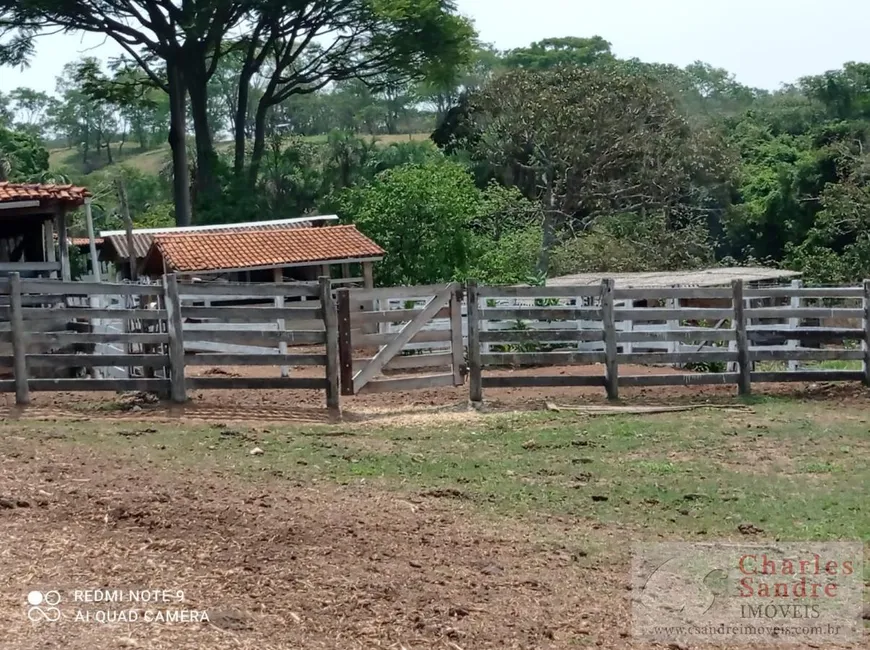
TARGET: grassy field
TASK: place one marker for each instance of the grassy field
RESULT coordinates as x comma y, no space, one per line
440,530
152,161
785,469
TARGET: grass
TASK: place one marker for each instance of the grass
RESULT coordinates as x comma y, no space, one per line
152,161
794,470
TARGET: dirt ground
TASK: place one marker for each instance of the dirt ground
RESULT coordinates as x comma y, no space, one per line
284,564
308,405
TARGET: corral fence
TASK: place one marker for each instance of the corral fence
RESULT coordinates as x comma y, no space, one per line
756,331
160,337
156,340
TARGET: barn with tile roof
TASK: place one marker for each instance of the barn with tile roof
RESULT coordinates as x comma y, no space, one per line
33,227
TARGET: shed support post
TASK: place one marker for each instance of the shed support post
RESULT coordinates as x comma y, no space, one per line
63,243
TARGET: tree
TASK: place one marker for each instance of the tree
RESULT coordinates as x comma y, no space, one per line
22,157
420,215
557,52
591,141
31,107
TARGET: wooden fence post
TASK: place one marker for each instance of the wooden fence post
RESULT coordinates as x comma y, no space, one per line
744,365
608,323
345,346
330,323
175,327
475,380
456,344
866,342
19,340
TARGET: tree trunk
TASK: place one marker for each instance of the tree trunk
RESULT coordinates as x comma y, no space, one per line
239,119
178,143
259,144
206,156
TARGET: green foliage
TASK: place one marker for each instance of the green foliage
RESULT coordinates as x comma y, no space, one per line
556,52
632,243
420,215
22,156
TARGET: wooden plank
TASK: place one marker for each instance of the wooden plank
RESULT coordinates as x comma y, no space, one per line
540,336
406,361
650,358
865,344
252,314
806,334
580,291
542,313
519,381
31,313
806,355
608,322
90,288
29,267
175,330
19,341
358,296
665,293
456,345
264,289
809,376
402,337
682,314
682,335
392,316
96,360
263,383
345,347
407,383
330,319
804,292
475,383
264,338
804,312
64,338
542,358
119,385
272,359
702,379
744,383
425,336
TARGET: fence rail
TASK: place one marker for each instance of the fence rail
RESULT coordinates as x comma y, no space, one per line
157,336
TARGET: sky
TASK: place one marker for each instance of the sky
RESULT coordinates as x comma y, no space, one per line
763,42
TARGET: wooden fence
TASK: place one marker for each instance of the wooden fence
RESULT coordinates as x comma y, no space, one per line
754,335
402,338
155,339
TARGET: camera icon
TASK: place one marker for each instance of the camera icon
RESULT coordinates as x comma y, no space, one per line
43,606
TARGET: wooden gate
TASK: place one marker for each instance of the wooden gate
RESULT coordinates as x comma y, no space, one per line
389,320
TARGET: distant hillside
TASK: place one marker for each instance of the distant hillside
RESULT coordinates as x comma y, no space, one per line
69,160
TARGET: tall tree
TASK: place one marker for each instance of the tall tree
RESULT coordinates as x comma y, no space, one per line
595,140
554,52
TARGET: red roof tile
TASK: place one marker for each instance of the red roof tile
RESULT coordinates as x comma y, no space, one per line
208,251
35,192
84,241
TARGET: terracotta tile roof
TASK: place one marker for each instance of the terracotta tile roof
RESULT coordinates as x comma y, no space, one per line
32,192
142,241
84,241
209,251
